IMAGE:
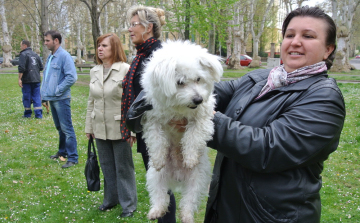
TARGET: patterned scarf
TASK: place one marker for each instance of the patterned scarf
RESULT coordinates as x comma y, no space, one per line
143,51
278,77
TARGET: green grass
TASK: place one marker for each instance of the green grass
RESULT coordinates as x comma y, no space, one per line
34,188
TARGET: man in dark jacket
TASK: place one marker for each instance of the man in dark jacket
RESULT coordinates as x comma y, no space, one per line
29,79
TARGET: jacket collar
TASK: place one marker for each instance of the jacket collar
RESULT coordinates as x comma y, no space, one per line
57,52
98,70
28,48
260,81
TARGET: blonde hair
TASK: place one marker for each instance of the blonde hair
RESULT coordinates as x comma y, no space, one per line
148,15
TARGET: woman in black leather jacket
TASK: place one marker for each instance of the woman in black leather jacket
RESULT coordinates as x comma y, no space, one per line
275,128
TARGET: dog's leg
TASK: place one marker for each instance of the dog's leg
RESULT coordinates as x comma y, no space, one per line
47,106
194,139
195,189
157,144
157,186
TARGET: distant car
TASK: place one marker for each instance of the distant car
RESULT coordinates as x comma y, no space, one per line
245,60
75,58
1,60
357,57
15,61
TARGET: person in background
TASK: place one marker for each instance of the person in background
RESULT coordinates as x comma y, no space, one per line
103,119
59,75
29,79
145,31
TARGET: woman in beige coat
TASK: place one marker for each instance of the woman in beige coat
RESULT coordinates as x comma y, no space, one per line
103,123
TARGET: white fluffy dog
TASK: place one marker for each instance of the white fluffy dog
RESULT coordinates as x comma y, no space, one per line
179,81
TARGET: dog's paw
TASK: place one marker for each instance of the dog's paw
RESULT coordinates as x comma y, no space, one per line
155,213
190,163
186,217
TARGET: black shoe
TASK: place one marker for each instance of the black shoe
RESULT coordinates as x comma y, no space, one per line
68,164
127,214
56,156
104,208
26,116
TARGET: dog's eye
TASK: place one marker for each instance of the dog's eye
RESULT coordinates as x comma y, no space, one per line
198,79
180,83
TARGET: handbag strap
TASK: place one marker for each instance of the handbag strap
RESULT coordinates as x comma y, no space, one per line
91,144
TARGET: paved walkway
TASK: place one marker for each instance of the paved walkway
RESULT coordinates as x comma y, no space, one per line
354,62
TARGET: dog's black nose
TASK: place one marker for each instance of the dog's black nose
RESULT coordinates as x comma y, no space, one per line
197,100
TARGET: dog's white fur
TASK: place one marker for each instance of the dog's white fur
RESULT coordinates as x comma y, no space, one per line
179,81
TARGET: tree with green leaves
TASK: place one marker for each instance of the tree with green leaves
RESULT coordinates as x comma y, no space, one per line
190,19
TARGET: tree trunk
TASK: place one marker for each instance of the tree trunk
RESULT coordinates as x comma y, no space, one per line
95,12
211,47
35,28
6,48
234,61
341,62
256,37
229,40
44,26
84,44
27,37
79,44
187,20
345,8
106,19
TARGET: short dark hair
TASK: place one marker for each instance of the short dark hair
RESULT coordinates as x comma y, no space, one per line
117,50
316,12
26,42
54,35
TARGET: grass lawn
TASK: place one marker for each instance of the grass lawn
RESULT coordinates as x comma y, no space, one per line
36,189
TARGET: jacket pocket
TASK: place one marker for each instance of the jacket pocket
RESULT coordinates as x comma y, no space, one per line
264,211
117,123
93,84
54,80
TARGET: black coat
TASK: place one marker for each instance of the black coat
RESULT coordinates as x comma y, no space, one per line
141,146
271,150
30,66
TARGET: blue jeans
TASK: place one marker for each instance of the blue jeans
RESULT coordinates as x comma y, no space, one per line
31,95
61,112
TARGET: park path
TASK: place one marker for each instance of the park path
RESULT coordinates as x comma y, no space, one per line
354,62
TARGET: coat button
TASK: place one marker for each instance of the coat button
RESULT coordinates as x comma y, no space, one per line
238,111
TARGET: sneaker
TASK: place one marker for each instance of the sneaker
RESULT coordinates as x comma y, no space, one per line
58,156
68,164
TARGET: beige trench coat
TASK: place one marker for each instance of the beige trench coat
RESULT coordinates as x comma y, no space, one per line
103,114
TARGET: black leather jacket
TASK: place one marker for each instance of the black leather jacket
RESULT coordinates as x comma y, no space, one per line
30,66
271,150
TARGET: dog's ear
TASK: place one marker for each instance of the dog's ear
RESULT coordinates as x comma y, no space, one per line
212,63
162,75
